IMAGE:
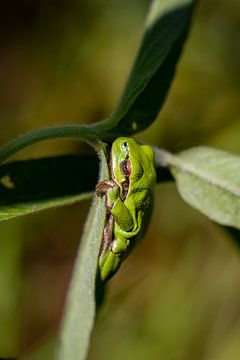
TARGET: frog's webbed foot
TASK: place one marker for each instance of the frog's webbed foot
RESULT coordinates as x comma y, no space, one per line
120,246
103,187
110,190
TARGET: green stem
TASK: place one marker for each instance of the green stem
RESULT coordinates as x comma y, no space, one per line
84,132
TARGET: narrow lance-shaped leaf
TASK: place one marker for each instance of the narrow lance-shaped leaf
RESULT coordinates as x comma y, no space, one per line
81,306
166,30
34,185
209,180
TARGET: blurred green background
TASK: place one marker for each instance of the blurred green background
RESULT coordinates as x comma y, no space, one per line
178,295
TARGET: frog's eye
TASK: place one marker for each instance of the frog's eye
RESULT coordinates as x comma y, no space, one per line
126,167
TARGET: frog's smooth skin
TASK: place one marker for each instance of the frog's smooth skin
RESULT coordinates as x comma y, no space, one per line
129,201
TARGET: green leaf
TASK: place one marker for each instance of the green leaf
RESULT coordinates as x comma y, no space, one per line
166,30
81,306
209,180
34,185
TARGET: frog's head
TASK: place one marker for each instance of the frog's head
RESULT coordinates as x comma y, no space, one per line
131,163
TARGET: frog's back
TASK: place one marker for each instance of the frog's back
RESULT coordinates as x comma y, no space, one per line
139,200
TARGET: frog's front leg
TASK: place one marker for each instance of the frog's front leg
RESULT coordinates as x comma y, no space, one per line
110,190
115,205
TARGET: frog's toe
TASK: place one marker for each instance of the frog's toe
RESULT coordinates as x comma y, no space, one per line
119,246
110,265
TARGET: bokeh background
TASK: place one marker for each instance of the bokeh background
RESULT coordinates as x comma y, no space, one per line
178,295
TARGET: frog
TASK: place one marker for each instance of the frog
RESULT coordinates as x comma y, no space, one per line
129,202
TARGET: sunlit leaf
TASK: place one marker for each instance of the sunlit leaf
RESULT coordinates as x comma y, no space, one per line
81,304
209,180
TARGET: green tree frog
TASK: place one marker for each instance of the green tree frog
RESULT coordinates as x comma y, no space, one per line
129,201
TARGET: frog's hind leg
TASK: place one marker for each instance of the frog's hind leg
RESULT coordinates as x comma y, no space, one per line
109,263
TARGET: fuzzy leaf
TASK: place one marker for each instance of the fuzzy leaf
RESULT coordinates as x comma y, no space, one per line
81,304
209,180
